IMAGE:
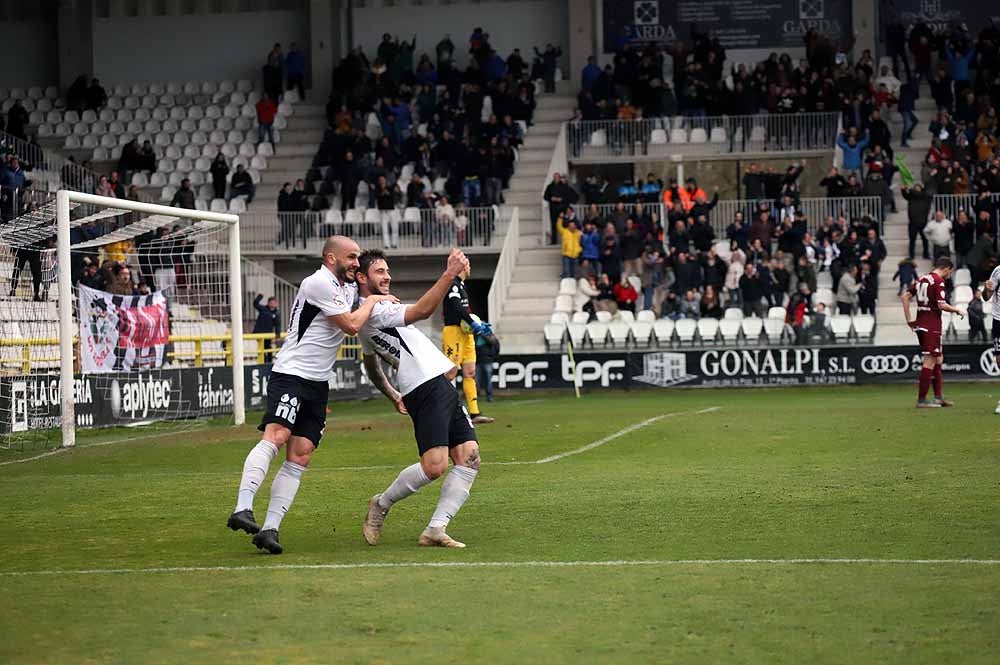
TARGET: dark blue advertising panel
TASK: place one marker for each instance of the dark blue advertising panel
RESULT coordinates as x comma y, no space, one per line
737,24
744,367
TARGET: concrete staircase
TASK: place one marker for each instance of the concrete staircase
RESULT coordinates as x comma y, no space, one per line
892,328
293,157
535,282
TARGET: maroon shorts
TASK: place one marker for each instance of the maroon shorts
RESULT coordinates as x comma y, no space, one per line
930,343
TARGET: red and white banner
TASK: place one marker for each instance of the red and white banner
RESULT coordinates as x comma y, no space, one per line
122,333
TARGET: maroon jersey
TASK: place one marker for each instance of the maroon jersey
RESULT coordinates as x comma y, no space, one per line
929,291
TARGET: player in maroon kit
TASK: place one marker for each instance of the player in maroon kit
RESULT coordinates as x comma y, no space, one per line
929,292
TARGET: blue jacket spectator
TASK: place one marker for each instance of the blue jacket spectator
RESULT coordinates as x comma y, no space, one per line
495,67
853,150
590,241
295,62
590,73
960,63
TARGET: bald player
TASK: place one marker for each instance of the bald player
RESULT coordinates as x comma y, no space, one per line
299,386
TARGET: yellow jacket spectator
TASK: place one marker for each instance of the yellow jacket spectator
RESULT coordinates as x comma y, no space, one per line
571,247
119,251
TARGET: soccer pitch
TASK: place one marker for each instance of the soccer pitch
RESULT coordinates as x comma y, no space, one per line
822,525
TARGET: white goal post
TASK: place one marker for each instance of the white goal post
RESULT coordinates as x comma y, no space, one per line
65,202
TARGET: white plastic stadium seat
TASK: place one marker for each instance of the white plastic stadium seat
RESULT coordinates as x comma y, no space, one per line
218,205
777,313
678,135
604,317
962,295
752,328
157,180
578,317
646,316
730,329
567,286
167,193
699,135
563,304
625,315
733,314
642,332
864,326
554,334
577,333
718,135
708,329
597,331
664,330
599,139
775,329
962,277
238,204
824,280
959,325
140,180
559,317
658,137
686,329
841,327
619,331
758,134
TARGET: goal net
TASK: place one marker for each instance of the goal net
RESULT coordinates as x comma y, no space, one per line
134,307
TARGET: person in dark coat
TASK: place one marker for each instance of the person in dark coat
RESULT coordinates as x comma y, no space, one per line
918,210
219,172
268,321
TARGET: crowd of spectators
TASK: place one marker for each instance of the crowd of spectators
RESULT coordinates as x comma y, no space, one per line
424,135
626,257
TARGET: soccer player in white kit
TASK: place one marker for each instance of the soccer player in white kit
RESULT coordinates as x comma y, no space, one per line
441,425
299,386
992,292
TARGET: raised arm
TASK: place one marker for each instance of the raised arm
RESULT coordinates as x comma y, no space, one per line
430,301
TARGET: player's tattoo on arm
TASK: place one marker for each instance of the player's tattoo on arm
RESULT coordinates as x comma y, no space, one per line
473,460
378,378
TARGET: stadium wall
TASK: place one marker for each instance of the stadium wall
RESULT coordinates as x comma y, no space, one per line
519,24
32,54
129,49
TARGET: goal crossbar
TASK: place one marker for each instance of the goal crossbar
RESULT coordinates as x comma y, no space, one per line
65,201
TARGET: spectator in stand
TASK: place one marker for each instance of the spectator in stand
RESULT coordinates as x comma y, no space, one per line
847,291
550,62
267,110
130,160
286,220
274,73
977,325
938,230
591,72
295,69
585,299
853,150
906,272
121,280
590,243
632,246
868,294
116,185
906,106
611,254
104,188
268,322
737,232
569,236
710,307
560,196
96,96
147,157
17,120
751,292
918,210
959,56
625,295
965,238
219,171
386,199
242,184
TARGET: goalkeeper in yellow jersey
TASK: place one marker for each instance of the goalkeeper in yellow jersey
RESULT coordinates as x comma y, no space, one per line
458,342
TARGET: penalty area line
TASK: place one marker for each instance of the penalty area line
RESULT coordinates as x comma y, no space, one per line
620,563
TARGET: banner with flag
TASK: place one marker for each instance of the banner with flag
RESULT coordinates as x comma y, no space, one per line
905,175
122,333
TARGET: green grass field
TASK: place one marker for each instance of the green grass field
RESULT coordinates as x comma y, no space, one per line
641,536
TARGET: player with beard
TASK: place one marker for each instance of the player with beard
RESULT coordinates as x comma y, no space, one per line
441,425
298,389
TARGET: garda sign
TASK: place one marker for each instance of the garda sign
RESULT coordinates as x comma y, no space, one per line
737,24
737,367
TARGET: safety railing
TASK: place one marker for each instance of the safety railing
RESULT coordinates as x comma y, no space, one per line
596,140
505,267
815,209
404,228
26,357
950,204
604,212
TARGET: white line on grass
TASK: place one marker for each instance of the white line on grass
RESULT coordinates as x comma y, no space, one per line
97,444
622,563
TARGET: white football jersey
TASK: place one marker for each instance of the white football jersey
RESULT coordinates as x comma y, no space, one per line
416,358
313,341
995,284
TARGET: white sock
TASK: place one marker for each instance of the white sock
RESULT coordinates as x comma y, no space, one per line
283,489
454,492
254,469
409,481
